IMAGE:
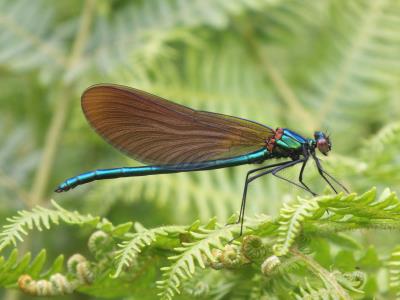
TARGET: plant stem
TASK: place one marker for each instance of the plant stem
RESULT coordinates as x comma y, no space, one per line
321,227
53,135
57,123
51,143
60,110
319,271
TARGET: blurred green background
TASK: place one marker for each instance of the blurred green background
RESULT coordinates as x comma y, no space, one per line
307,65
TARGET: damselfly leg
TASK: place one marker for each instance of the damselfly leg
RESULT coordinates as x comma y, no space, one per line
322,172
303,187
276,168
247,181
336,181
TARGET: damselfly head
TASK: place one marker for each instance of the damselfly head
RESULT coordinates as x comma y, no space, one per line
323,142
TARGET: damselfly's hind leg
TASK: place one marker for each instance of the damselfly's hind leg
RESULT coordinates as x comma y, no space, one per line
246,183
276,168
244,196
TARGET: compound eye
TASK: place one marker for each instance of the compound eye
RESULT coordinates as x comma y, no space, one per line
323,146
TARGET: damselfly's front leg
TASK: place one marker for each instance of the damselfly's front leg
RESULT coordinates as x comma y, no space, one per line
322,172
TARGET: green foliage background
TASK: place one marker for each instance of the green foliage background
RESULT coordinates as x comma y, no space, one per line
306,65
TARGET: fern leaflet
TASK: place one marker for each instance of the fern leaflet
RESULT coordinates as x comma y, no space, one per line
39,217
193,253
130,249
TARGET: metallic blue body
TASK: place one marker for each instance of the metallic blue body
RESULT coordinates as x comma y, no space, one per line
289,143
253,157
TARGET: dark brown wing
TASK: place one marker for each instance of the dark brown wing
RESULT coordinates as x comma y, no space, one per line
153,130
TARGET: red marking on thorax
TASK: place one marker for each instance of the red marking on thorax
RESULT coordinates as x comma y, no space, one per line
270,142
278,133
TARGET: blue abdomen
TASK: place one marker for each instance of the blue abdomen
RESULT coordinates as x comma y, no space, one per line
253,157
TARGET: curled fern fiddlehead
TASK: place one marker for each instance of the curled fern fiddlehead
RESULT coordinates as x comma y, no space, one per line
253,248
270,264
99,242
80,267
57,285
357,278
229,257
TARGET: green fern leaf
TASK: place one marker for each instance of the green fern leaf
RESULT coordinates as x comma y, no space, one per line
344,61
32,43
394,271
311,293
38,218
366,206
156,24
291,217
130,249
37,264
192,254
343,209
12,267
56,267
383,138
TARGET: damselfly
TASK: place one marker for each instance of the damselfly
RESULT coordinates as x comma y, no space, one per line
172,138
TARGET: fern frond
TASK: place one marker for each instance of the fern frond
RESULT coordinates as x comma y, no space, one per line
393,265
328,279
309,293
366,209
32,43
381,158
291,218
346,80
155,24
38,218
143,237
376,162
192,254
367,206
385,136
